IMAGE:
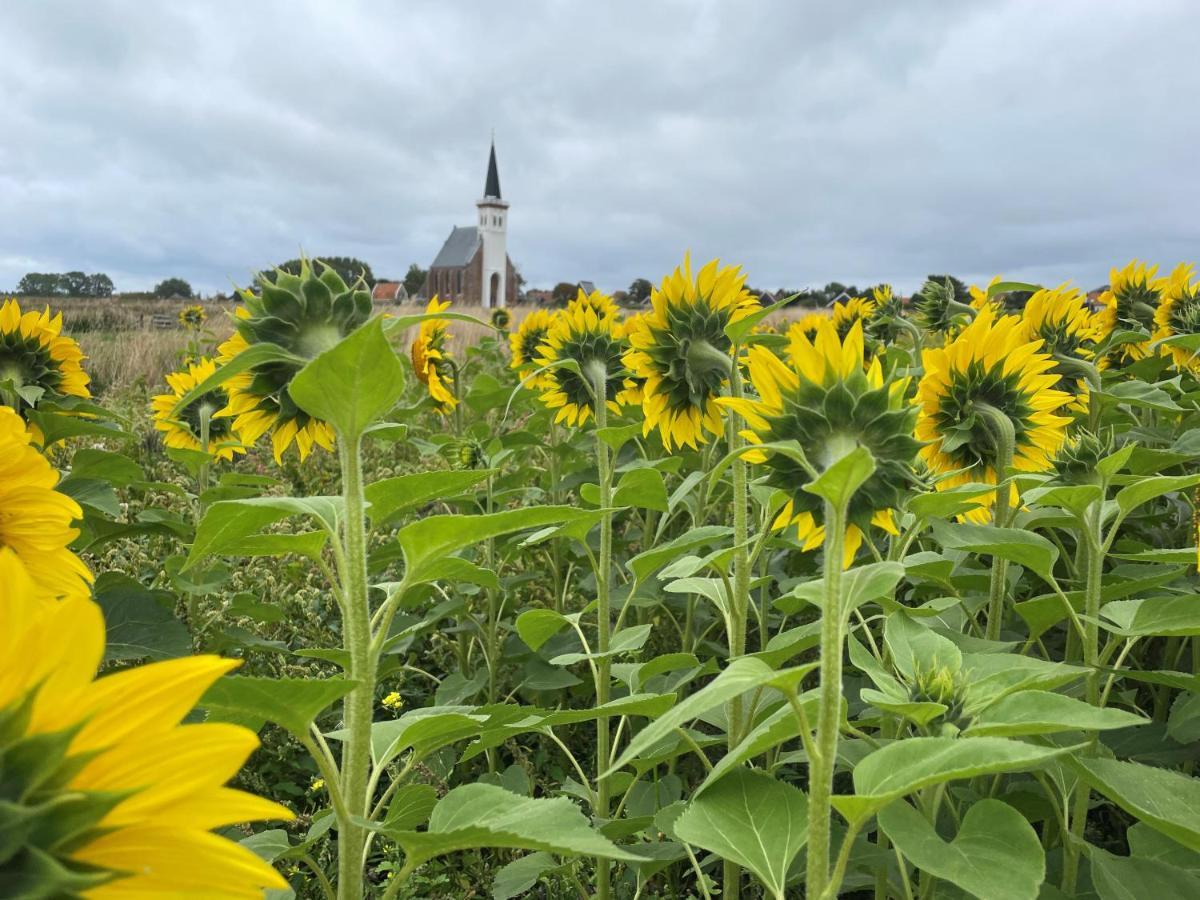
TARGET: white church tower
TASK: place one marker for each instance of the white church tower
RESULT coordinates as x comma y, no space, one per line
493,235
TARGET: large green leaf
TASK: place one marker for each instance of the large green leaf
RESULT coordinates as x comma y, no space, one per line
1144,490
138,620
483,815
647,562
353,383
1166,800
407,492
996,854
860,585
1135,878
225,524
906,766
838,483
1025,548
751,819
1177,616
743,674
429,540
1044,712
290,702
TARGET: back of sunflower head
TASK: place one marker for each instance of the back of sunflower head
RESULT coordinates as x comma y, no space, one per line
305,313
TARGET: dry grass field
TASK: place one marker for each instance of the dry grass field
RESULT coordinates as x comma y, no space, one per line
125,349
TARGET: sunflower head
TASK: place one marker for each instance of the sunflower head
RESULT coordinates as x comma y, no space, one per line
106,794
525,341
807,325
980,299
825,398
595,343
182,425
681,354
855,309
305,314
1080,455
431,359
1179,314
466,453
937,309
1060,318
501,318
1130,304
36,361
991,369
35,519
192,318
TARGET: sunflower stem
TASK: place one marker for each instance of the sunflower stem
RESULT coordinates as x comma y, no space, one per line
821,766
1003,433
358,708
598,376
740,601
1094,559
205,440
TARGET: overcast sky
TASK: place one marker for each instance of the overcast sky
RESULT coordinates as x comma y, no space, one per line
861,142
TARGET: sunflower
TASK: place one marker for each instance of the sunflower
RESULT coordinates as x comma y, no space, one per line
36,360
826,399
596,344
106,794
981,301
501,318
1130,304
807,325
1061,319
680,353
525,341
938,310
192,317
35,519
431,357
992,368
1179,314
854,309
306,314
181,425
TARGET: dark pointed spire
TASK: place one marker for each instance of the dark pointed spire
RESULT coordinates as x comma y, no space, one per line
492,188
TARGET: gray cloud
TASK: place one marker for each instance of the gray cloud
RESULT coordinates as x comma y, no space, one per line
807,141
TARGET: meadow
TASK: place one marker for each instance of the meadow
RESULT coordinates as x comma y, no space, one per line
306,598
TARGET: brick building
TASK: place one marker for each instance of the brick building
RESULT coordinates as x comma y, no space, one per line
473,267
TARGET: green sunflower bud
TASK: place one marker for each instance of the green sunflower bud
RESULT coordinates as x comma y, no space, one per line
1079,457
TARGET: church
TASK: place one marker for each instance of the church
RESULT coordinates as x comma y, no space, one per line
473,268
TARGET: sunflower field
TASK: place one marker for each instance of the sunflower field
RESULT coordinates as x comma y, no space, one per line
703,600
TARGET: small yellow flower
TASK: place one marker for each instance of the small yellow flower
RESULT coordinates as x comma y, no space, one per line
193,317
393,701
1130,304
318,784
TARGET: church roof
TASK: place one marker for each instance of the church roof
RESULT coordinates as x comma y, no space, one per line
492,187
459,248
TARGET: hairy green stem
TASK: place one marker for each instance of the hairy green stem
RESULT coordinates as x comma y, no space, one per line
740,600
359,703
603,620
1001,428
1094,557
821,765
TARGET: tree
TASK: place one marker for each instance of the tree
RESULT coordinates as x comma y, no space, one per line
171,287
414,279
39,284
639,291
564,292
347,267
98,285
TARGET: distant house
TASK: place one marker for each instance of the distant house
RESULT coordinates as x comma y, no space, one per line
587,287
540,297
389,292
473,267
1093,298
